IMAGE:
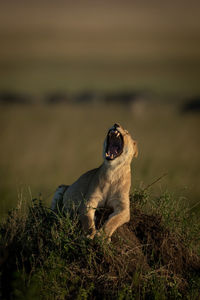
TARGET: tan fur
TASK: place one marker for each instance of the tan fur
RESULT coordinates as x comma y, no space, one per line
106,186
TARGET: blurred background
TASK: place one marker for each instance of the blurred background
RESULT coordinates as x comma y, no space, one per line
70,69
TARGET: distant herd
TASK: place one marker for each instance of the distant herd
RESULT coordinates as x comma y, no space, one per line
126,98
68,98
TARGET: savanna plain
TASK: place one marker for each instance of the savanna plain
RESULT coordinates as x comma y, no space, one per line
67,48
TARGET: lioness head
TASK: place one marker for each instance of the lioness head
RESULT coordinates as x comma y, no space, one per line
119,147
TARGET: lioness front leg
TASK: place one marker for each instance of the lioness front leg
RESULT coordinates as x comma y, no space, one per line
88,224
88,213
116,219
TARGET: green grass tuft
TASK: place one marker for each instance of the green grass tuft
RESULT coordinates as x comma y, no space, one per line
154,256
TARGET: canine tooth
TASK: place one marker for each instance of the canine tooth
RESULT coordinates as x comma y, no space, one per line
112,156
118,134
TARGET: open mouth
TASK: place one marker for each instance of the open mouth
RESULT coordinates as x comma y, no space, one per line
114,144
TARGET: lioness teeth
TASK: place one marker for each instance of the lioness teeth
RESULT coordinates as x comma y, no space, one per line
118,134
112,156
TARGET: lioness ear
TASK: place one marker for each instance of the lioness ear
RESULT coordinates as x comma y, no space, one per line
135,149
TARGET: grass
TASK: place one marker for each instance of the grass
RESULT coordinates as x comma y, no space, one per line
46,256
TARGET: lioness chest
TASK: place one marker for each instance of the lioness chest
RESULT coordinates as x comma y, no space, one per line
97,189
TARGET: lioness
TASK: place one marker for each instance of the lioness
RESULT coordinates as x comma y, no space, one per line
106,186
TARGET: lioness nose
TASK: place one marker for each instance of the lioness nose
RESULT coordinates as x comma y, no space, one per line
116,125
